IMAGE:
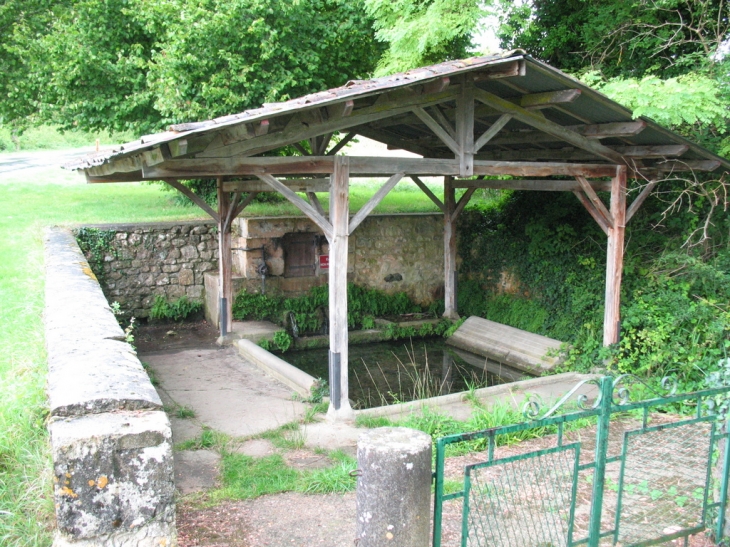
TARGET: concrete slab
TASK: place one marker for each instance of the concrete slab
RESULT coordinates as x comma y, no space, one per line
184,429
227,393
332,435
255,330
196,470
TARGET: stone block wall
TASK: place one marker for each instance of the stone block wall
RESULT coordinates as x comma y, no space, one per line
166,259
111,441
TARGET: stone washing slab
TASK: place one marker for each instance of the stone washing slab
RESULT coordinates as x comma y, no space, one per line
104,377
112,475
532,353
73,295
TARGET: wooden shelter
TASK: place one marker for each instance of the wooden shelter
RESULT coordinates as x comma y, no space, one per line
505,114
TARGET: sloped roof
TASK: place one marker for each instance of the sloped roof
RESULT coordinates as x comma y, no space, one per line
383,109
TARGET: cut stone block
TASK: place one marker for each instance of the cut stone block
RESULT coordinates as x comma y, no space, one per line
113,476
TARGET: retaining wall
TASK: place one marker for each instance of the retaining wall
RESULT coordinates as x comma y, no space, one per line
111,441
162,258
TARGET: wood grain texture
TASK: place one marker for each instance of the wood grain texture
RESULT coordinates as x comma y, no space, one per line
615,258
450,308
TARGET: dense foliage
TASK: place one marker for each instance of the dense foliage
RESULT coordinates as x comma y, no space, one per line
132,64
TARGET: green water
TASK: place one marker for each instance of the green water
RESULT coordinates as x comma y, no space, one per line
390,372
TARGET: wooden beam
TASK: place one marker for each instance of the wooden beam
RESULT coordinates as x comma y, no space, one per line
592,210
343,142
299,203
450,307
296,185
690,165
439,131
426,190
589,131
549,98
501,70
134,176
245,203
231,209
374,201
338,356
393,140
314,200
445,123
303,151
362,165
552,128
615,259
383,108
596,201
465,127
195,198
462,203
568,153
640,199
490,133
548,185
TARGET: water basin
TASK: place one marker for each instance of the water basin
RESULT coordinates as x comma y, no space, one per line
394,372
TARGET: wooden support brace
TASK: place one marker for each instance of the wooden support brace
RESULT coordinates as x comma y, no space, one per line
595,200
231,209
640,200
439,131
462,203
195,198
299,203
615,259
340,145
426,190
592,210
490,133
314,200
374,201
245,203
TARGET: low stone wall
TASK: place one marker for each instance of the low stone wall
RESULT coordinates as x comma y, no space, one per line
166,259
111,441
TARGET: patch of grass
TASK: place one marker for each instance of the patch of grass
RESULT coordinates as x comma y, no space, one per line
336,479
150,374
247,477
209,439
372,421
28,204
184,412
288,436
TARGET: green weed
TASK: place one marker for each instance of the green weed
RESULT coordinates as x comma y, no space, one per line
175,310
372,421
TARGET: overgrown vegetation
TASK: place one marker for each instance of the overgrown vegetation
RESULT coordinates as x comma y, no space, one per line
96,244
174,310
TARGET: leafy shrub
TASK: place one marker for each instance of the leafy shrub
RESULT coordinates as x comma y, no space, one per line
283,340
176,310
96,245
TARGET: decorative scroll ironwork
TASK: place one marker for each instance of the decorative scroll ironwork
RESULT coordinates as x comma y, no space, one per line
532,408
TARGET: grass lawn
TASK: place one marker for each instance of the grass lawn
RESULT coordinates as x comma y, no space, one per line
30,201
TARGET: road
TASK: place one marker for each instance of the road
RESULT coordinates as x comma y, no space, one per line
18,161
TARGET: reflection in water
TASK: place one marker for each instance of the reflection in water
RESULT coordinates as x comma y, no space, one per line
392,372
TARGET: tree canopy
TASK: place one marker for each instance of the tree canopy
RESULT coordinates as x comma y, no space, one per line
132,64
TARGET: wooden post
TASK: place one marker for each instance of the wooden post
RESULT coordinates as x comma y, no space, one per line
465,126
339,217
450,311
615,258
225,274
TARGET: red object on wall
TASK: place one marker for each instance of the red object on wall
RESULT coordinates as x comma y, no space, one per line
324,262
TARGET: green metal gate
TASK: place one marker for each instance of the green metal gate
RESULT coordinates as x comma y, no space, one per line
644,475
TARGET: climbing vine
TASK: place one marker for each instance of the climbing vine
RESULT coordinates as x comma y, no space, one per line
96,245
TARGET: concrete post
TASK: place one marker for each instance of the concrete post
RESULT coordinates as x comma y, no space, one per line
394,488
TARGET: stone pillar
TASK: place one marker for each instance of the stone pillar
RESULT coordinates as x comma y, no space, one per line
394,488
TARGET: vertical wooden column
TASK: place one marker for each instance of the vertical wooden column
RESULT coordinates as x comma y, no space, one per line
465,126
450,311
615,258
339,217
225,274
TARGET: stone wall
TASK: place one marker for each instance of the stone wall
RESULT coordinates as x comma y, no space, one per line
166,259
111,441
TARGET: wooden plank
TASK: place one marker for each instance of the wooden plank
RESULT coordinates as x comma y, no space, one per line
231,209
589,131
547,185
592,210
439,131
195,198
245,203
450,307
392,140
549,98
636,204
297,185
295,133
690,165
445,123
490,133
596,201
134,176
343,142
569,153
501,70
299,203
462,203
361,165
465,127
615,259
539,122
339,211
426,190
374,201
314,200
